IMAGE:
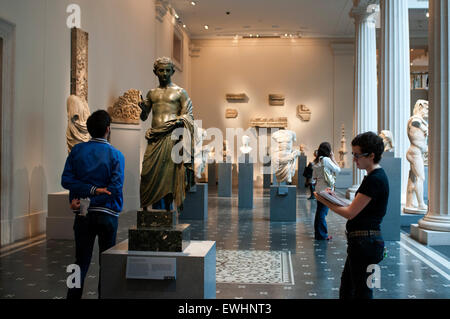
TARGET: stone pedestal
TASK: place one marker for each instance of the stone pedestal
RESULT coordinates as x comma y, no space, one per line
195,206
126,137
283,204
301,180
212,174
267,172
157,231
245,185
195,274
60,217
345,178
390,226
225,185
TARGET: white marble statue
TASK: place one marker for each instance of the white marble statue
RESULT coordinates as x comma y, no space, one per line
77,115
388,140
417,134
284,157
201,152
245,148
225,151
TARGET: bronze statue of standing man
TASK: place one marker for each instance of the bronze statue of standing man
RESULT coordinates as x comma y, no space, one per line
163,181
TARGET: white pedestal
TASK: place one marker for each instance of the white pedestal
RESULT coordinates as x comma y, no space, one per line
126,138
429,237
60,217
195,274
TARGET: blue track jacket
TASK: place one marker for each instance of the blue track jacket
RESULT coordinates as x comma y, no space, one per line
91,165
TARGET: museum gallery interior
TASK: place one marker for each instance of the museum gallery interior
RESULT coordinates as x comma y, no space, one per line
216,110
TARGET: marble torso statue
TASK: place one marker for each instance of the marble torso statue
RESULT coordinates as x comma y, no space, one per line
77,115
200,153
417,134
284,158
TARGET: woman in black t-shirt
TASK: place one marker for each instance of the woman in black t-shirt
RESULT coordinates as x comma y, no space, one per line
365,213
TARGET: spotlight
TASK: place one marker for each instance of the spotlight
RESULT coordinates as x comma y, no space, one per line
206,27
184,26
193,3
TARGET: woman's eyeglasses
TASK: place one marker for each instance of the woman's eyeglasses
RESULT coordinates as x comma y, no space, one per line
357,156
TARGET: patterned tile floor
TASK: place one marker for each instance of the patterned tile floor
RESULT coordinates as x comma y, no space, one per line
39,271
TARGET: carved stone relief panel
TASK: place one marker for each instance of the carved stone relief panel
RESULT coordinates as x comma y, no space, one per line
303,112
279,122
239,97
231,113
276,99
79,63
126,110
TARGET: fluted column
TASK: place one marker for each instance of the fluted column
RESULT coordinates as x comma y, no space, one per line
437,217
395,95
365,83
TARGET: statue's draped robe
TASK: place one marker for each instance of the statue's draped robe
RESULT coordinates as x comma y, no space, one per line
160,175
77,115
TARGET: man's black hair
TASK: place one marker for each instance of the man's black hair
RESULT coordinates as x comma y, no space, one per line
370,142
97,123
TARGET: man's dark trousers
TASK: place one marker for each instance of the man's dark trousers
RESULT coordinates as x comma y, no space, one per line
86,228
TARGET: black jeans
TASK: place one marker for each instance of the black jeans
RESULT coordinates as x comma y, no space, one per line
361,252
86,228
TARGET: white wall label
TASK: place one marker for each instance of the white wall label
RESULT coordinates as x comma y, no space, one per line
151,268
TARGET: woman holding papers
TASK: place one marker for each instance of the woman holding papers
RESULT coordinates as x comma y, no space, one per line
364,214
323,164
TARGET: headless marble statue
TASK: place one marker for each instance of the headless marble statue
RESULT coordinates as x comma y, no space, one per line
417,134
200,152
284,158
388,140
77,115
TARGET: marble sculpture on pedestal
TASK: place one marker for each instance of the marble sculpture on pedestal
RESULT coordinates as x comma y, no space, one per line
284,158
417,134
388,140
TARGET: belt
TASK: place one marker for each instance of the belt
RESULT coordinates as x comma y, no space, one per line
363,233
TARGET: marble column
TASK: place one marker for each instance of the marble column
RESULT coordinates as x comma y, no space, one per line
365,82
395,95
438,217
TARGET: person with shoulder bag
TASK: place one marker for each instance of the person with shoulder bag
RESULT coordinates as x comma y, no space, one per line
325,169
365,245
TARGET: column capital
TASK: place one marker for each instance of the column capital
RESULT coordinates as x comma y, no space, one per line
364,10
161,8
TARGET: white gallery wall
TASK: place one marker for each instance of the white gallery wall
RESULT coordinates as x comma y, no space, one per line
312,72
122,49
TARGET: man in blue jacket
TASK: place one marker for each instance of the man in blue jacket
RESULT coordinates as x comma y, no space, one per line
94,170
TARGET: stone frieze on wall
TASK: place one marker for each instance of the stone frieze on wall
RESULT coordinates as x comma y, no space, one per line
126,110
79,63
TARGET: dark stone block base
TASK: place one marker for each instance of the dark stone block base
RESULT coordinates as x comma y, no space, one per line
174,239
155,218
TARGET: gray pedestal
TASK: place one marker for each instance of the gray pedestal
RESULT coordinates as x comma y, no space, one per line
283,208
245,186
301,179
345,178
212,181
195,274
267,172
224,188
195,206
390,226
59,217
